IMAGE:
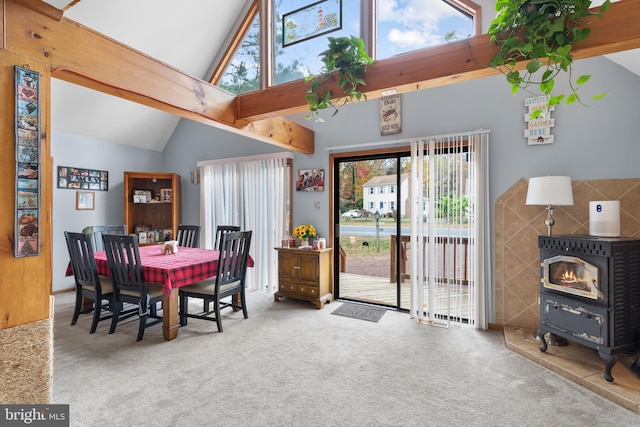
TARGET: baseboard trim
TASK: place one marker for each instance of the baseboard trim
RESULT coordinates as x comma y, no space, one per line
495,327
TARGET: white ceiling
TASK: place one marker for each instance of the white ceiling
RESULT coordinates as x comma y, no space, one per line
186,34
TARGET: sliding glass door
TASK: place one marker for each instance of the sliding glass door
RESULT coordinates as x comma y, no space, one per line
371,200
408,228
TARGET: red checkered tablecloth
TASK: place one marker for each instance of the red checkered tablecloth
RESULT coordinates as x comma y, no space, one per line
188,266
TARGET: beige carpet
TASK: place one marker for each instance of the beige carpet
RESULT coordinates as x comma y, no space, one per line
289,364
26,360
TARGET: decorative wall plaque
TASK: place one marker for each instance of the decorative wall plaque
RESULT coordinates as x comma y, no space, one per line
538,130
27,145
390,115
311,21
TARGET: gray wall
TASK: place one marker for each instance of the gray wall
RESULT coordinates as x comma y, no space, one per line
69,150
590,143
192,142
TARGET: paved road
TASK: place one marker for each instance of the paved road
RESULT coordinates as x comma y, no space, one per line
388,230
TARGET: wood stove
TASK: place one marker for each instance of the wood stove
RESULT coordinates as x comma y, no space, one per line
590,293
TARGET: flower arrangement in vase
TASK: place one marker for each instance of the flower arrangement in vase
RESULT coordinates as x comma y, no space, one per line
304,232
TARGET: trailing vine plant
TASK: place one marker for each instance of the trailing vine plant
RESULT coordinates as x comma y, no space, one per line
346,57
541,32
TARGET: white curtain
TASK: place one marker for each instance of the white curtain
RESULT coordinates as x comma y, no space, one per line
218,200
450,258
253,195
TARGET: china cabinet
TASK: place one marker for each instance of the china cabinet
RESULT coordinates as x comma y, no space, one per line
152,201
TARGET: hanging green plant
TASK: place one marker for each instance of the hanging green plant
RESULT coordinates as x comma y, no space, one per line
346,57
541,32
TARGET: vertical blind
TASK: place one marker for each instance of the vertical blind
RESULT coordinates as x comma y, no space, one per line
450,229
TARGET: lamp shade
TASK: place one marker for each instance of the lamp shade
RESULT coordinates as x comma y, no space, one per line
550,190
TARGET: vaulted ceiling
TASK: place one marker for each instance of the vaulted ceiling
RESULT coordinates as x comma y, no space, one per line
187,35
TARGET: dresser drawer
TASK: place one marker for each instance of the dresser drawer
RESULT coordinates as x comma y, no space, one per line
288,287
308,290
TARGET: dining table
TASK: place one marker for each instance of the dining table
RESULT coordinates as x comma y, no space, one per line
185,267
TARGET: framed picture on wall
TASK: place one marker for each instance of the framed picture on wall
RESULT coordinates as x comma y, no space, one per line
310,180
85,200
83,179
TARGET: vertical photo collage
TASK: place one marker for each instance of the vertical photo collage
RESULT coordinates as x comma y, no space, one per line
27,162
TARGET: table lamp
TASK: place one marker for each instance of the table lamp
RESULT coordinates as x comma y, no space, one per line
548,191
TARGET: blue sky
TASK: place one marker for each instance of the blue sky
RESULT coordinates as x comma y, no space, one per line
407,25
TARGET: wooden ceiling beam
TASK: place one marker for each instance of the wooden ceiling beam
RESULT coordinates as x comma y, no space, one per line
82,56
44,8
445,64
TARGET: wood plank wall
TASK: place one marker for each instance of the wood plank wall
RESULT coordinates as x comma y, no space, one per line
25,283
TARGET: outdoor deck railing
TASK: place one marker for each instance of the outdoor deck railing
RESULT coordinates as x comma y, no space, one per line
455,270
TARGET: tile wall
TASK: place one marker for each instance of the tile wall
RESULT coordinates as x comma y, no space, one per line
518,226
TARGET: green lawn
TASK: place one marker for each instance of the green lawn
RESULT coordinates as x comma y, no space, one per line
353,246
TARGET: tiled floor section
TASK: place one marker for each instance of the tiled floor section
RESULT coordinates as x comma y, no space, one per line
581,365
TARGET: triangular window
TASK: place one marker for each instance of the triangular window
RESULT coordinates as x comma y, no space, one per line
242,73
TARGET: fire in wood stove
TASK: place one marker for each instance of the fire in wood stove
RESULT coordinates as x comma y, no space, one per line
571,275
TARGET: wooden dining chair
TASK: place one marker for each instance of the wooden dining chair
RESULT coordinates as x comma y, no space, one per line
230,280
129,286
188,236
89,285
221,230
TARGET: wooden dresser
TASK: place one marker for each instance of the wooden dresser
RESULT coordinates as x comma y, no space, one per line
305,274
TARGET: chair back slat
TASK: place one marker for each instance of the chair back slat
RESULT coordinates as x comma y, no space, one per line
234,252
83,262
221,230
123,258
188,236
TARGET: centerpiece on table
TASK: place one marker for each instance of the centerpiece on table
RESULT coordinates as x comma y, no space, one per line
304,232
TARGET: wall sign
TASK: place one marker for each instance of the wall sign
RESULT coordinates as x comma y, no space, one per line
82,179
538,130
27,145
390,115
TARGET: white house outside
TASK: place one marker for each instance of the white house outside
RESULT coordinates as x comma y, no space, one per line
380,193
